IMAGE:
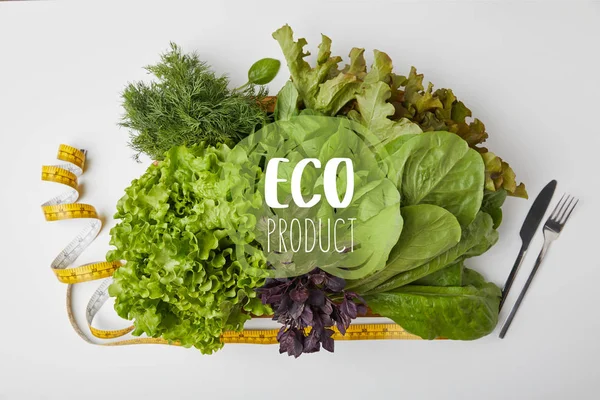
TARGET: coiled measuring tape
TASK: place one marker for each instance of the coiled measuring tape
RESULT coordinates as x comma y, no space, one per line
65,206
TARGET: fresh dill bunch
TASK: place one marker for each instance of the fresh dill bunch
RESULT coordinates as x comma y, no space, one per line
188,104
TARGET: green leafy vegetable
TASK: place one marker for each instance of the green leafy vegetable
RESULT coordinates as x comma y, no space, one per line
499,175
353,249
186,105
475,239
373,111
184,280
428,231
435,111
442,111
439,168
441,181
451,275
455,312
195,230
328,91
337,88
287,102
263,71
492,204
388,104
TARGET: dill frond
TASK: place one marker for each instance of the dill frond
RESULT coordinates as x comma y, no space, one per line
188,104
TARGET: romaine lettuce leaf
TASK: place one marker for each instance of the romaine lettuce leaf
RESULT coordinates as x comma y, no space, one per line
451,275
439,168
492,204
475,239
428,231
454,312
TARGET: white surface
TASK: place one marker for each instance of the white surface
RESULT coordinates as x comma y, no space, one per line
529,71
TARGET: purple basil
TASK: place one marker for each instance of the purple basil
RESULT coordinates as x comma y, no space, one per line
308,306
299,294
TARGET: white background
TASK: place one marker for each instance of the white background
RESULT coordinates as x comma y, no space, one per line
530,71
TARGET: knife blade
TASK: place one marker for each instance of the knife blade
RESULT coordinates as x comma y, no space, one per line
530,225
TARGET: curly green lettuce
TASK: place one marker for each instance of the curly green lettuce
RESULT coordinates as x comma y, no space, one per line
387,104
184,280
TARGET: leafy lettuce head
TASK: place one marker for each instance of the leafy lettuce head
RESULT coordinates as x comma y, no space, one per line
183,280
349,241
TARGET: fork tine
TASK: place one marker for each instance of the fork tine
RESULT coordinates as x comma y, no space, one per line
566,207
558,207
569,213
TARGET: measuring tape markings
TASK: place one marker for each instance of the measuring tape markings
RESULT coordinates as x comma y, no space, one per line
354,332
64,206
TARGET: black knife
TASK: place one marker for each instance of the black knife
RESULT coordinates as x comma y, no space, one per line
530,226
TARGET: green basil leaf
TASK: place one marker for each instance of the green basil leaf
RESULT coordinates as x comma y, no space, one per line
263,71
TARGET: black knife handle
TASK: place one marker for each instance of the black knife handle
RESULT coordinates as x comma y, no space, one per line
513,274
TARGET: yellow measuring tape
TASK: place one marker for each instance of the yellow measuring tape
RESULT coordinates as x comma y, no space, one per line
64,206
